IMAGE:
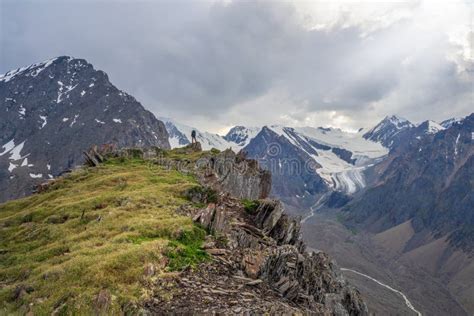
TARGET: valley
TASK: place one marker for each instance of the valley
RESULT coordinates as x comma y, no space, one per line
366,254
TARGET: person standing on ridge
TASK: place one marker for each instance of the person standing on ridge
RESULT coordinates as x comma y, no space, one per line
193,137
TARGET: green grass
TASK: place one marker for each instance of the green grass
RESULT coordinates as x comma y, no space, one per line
250,206
186,250
96,229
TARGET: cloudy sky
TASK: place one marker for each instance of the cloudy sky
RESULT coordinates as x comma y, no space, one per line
215,64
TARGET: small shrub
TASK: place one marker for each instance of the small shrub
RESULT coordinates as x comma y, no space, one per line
250,206
28,218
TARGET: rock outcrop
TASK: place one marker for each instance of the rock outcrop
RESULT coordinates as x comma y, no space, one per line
235,174
265,245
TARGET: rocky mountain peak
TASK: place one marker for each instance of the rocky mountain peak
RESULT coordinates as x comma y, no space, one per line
396,120
241,135
387,130
53,110
450,122
430,127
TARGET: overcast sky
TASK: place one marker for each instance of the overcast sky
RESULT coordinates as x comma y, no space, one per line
216,64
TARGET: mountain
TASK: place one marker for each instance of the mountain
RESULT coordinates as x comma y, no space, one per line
308,162
50,112
305,162
449,122
294,179
430,127
241,135
387,132
180,135
429,183
419,210
138,236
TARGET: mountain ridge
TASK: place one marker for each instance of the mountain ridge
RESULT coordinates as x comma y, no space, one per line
52,111
159,224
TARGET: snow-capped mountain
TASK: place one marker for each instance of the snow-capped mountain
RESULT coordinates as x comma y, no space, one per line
428,181
388,130
450,122
52,111
311,160
242,135
180,135
337,160
430,127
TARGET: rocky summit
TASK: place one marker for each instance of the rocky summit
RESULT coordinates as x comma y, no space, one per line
51,112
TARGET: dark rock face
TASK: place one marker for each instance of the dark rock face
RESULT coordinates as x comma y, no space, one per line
293,170
235,174
51,112
388,131
344,154
428,180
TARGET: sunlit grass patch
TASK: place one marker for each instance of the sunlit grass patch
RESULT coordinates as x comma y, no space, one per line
95,230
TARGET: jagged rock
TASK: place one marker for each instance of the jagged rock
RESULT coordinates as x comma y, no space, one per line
286,231
195,146
266,245
252,263
229,172
268,214
93,157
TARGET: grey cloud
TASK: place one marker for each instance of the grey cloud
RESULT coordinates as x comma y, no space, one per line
189,58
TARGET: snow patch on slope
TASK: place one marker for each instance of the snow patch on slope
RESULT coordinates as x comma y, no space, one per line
207,140
15,152
44,121
433,127
8,146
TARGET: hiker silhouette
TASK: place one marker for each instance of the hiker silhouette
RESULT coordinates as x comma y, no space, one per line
193,137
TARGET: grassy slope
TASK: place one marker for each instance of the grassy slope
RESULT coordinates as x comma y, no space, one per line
95,229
